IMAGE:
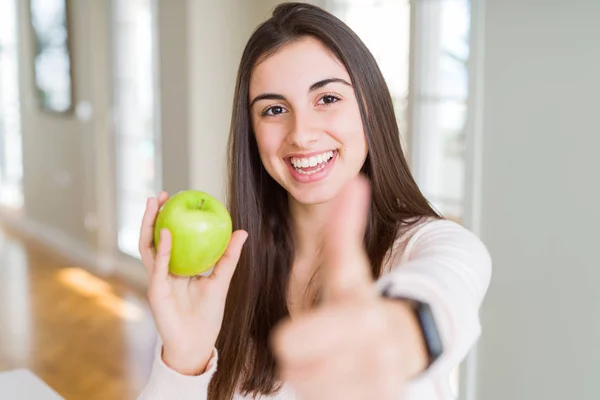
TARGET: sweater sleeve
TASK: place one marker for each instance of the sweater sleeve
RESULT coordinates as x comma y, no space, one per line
448,267
165,383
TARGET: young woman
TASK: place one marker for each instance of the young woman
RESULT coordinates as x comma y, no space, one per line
340,281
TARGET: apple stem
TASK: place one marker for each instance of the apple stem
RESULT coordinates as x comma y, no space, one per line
201,203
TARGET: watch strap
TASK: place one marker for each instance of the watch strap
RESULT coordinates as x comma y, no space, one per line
427,324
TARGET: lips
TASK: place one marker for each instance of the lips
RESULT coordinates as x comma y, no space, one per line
313,167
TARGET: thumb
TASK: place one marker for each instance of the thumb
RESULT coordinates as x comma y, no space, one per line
347,270
225,267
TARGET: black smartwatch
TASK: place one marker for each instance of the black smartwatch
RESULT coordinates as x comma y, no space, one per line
427,324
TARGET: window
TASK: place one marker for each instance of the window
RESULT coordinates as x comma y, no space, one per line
11,164
438,99
135,111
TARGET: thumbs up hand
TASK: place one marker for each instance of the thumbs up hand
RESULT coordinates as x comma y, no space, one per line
355,345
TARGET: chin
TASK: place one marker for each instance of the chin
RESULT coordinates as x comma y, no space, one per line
314,195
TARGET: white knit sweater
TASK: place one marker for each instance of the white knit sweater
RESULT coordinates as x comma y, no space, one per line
439,262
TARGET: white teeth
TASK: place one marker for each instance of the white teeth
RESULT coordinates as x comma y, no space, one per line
314,171
311,161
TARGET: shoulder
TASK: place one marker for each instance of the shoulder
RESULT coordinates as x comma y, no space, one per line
435,237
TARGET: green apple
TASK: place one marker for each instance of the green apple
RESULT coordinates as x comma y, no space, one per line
200,229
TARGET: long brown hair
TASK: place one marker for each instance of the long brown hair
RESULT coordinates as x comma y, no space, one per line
256,301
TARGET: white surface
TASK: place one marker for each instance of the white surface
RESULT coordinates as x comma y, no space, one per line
540,201
22,384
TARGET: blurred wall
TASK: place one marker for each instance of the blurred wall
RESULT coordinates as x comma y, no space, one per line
54,151
541,200
174,72
217,33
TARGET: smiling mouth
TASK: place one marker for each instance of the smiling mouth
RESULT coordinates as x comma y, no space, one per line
311,165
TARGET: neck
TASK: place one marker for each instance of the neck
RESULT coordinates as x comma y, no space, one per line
308,223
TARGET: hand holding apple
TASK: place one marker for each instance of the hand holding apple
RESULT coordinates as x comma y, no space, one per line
188,310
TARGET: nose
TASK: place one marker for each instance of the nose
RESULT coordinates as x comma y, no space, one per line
303,132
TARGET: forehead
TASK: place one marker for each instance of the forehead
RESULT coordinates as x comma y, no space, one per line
296,66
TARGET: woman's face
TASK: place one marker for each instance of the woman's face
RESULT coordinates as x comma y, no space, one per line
307,122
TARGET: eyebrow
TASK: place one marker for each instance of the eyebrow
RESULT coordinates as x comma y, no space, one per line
313,87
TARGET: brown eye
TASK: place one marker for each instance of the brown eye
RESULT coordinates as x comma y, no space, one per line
275,110
328,99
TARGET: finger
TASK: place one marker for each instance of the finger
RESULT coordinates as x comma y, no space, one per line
344,377
338,377
225,267
163,256
347,267
330,365
146,242
162,198
327,331
372,371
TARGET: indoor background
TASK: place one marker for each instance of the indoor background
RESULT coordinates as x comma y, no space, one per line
105,102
